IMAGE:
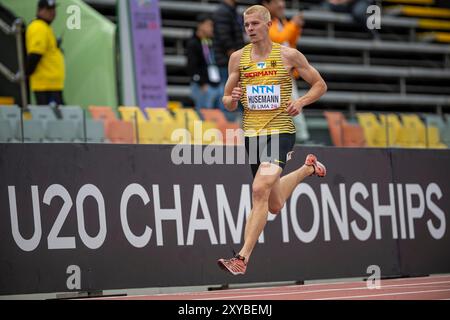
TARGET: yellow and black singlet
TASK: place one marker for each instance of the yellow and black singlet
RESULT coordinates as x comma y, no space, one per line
267,87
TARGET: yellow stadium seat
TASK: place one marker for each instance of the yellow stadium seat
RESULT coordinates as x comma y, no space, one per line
434,24
443,37
148,133
398,135
173,105
188,118
426,137
6,101
417,11
131,114
429,2
163,117
374,132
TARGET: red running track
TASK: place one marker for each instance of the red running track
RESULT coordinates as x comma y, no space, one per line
424,288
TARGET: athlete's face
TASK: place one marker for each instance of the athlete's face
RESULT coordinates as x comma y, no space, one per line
256,28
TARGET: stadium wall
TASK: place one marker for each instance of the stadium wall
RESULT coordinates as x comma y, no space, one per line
85,217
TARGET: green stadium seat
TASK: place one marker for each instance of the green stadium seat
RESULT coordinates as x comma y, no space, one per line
6,132
445,136
56,130
33,131
95,131
434,120
12,115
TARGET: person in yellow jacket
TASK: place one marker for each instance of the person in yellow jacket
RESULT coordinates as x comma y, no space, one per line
288,32
45,61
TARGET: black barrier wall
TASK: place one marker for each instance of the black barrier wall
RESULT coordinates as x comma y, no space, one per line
76,217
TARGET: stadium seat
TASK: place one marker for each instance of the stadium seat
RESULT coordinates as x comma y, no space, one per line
188,118
446,132
374,131
424,2
12,115
6,132
344,134
56,130
434,24
427,136
34,131
95,131
438,122
6,100
173,105
435,120
318,130
400,135
148,132
163,117
116,131
216,116
418,11
443,37
132,114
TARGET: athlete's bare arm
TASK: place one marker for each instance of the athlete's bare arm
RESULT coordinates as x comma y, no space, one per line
233,90
293,59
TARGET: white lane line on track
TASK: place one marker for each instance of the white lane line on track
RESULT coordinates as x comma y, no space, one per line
271,288
293,286
249,290
384,294
320,291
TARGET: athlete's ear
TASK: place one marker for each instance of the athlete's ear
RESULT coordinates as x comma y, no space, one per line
269,24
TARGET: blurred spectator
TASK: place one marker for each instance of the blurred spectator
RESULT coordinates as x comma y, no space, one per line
287,32
358,10
45,60
228,37
202,67
283,31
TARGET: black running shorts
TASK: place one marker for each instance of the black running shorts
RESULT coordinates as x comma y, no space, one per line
275,148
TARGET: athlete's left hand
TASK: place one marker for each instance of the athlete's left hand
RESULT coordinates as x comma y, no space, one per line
294,108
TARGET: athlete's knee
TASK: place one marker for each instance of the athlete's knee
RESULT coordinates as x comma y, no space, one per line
260,189
275,206
269,170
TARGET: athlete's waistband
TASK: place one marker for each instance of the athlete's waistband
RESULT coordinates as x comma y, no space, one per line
265,132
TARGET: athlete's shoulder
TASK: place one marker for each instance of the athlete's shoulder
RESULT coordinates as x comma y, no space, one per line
290,53
236,56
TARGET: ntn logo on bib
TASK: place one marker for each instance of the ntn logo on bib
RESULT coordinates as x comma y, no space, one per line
263,97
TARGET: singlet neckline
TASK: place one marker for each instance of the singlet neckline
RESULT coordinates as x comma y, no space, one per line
260,60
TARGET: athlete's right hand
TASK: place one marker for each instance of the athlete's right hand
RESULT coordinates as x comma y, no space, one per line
236,94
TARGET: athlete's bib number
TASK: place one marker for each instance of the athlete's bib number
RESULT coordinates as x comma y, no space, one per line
263,97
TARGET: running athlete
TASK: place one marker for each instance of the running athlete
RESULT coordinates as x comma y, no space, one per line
260,76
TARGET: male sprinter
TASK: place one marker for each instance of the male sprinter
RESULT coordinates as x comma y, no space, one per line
260,76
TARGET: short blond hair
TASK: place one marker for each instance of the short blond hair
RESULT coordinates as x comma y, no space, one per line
263,12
